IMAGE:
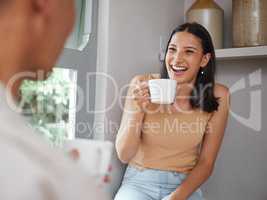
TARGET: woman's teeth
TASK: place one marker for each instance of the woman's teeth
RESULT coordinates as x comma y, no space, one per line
179,68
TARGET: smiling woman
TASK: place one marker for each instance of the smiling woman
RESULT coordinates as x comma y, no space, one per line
195,60
172,163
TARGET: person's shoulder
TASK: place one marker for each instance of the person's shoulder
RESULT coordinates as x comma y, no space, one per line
221,91
144,77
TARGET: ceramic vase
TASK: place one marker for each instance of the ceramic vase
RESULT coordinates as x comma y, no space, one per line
249,22
209,14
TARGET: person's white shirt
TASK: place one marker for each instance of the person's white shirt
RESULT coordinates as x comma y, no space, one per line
32,170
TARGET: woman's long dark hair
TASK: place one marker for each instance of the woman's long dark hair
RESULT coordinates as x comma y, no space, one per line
202,95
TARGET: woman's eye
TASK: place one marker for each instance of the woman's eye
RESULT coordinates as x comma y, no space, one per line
171,49
189,51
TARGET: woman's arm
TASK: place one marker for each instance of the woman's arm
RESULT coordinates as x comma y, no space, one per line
129,134
210,147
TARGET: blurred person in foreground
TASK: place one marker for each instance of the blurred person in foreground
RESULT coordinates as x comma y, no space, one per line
32,35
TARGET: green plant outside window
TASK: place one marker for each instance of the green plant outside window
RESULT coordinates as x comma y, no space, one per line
47,105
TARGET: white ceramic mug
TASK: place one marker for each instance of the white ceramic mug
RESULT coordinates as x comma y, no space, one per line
92,155
162,91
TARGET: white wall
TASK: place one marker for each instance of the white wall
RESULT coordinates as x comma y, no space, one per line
241,168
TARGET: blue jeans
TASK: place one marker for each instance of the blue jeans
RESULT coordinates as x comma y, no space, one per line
151,184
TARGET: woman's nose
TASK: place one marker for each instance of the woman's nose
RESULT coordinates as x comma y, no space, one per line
178,57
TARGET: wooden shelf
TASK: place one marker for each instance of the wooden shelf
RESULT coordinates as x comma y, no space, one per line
239,53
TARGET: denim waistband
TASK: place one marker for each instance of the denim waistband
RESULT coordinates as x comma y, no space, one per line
155,176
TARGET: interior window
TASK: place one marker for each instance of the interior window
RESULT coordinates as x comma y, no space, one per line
50,105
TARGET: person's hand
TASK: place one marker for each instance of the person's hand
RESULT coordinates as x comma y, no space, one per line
175,196
139,91
141,94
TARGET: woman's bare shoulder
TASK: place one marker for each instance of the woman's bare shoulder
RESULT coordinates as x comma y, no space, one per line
221,91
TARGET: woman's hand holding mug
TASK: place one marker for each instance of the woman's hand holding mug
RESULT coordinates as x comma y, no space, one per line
141,94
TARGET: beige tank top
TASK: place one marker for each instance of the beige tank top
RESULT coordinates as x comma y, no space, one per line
171,141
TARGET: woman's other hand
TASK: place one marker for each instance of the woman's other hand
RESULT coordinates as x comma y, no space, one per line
173,196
